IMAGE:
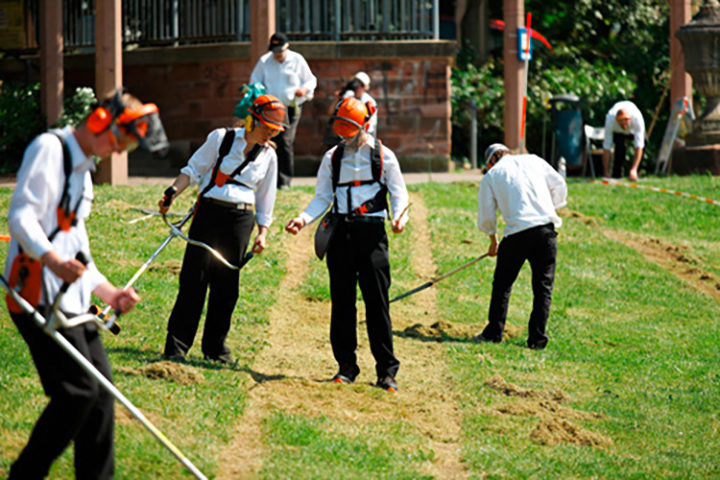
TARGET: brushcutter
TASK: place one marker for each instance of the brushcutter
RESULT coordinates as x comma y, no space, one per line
438,278
58,320
175,231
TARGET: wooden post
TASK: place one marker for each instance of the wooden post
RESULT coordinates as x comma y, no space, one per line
680,81
51,60
262,21
513,72
108,77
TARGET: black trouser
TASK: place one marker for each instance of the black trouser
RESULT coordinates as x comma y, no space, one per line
79,411
285,150
228,231
619,155
358,253
538,245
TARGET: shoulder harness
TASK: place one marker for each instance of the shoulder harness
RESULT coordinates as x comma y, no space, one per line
379,201
218,178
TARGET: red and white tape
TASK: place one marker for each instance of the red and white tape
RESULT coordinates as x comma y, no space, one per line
657,189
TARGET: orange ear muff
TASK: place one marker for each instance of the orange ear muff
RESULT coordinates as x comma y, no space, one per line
99,120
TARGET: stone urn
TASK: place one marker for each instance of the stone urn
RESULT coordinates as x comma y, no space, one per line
700,39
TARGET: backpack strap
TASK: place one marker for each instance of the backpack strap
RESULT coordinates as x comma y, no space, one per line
224,149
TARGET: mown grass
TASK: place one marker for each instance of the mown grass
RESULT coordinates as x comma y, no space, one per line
629,342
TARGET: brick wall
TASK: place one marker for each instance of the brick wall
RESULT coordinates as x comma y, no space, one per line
196,89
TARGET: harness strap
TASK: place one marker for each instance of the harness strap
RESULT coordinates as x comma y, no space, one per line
375,204
224,149
66,217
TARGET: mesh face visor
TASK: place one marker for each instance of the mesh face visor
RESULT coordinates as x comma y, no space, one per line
345,127
140,127
271,113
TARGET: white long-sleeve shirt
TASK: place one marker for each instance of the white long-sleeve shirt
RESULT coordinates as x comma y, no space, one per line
283,79
32,215
526,190
258,178
357,166
636,128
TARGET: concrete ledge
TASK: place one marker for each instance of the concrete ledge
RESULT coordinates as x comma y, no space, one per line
426,49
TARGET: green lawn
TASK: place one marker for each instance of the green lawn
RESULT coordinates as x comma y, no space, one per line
633,349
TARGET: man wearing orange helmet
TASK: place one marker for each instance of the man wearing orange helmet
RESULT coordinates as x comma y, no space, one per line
236,172
49,244
354,180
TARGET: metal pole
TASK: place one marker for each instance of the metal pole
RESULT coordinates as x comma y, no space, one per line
473,135
338,20
436,19
176,22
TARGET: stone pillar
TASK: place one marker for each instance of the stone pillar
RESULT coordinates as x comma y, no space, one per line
681,83
108,77
262,21
51,60
513,12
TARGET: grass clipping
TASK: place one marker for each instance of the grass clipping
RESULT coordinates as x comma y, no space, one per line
177,372
555,425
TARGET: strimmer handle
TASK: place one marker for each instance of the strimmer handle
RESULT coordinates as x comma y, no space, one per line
82,258
114,327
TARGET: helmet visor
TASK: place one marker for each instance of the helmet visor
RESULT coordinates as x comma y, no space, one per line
272,115
144,130
345,127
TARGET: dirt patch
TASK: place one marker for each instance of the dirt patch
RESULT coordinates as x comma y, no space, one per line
544,408
677,259
164,370
496,382
553,432
579,216
292,373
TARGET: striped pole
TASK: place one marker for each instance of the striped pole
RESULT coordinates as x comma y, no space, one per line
658,189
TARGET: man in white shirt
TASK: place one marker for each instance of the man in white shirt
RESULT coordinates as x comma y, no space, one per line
235,170
46,219
354,179
527,191
287,76
623,121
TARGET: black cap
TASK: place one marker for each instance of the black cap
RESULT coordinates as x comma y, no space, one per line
278,41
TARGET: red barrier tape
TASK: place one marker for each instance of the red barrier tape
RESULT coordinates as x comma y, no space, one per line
657,189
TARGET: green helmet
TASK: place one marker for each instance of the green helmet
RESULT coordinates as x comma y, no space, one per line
250,93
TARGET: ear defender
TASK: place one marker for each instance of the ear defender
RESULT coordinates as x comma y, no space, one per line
249,124
99,120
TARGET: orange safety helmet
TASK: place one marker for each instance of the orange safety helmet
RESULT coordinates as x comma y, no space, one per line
351,116
269,111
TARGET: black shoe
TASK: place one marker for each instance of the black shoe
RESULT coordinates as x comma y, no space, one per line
346,374
537,345
224,358
175,357
480,338
387,383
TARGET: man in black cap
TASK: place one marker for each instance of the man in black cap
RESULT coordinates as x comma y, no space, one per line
287,76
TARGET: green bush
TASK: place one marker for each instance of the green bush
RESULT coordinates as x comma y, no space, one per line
21,119
598,84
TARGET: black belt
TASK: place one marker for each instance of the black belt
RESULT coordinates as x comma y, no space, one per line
361,218
235,206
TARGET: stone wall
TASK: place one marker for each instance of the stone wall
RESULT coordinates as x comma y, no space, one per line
196,88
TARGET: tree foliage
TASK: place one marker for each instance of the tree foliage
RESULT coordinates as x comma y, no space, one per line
602,52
